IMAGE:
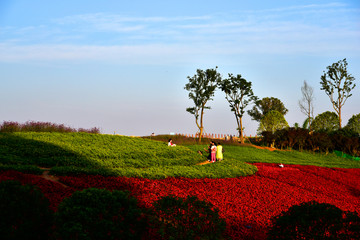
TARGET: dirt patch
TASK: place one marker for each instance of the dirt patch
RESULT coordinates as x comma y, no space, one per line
49,177
203,163
267,148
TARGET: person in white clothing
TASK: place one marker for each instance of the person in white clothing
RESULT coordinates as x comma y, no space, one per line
171,144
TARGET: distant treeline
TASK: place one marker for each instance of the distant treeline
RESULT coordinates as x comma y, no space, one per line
344,140
33,126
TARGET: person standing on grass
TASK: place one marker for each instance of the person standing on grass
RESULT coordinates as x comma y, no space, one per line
213,152
209,151
219,152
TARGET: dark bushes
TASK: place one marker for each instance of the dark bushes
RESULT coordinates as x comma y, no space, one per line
24,212
314,220
188,218
100,214
32,126
343,140
269,138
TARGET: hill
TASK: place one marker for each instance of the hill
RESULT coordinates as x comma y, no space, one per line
108,155
114,155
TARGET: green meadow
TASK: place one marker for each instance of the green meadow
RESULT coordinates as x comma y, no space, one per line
114,155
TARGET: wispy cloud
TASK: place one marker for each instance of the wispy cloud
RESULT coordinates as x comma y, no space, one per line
103,17
121,54
308,7
311,29
120,23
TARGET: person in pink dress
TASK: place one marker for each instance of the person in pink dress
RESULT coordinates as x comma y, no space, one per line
213,152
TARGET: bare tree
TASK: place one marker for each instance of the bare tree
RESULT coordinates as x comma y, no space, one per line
306,104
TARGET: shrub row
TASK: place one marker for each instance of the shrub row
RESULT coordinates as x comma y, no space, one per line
33,126
102,214
313,220
184,140
301,139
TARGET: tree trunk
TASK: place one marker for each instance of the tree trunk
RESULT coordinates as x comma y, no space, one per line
201,125
241,131
339,117
309,117
201,133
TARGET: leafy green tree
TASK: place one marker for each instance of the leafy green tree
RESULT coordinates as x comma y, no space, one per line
273,121
239,94
306,104
202,88
337,84
354,123
265,105
326,122
306,123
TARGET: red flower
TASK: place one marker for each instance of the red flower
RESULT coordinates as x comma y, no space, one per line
247,203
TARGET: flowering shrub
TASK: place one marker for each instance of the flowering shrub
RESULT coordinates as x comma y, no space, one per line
33,126
246,203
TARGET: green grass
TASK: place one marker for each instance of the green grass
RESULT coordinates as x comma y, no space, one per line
253,155
109,155
113,155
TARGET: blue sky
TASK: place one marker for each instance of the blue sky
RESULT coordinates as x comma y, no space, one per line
122,65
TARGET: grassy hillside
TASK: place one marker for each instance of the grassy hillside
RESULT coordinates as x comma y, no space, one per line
75,153
109,155
253,155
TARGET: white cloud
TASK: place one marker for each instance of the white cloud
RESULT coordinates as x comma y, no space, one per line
286,43
310,8
103,17
180,38
119,54
120,23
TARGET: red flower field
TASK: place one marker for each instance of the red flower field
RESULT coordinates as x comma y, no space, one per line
246,203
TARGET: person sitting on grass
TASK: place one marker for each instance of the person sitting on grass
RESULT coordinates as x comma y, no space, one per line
171,144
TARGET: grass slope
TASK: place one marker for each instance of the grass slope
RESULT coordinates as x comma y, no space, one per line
253,155
109,155
76,153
